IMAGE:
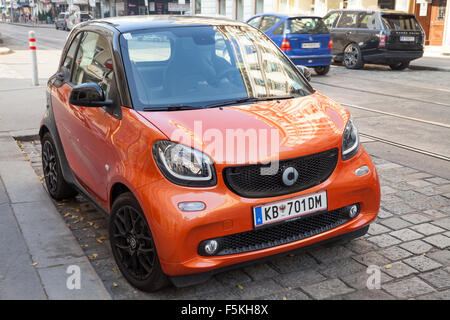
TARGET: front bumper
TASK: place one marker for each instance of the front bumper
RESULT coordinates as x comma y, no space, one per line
385,56
177,234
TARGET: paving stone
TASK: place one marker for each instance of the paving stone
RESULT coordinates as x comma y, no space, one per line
294,263
340,268
293,294
367,294
439,201
441,256
299,278
327,289
445,209
419,183
233,277
399,270
358,280
438,180
329,253
415,218
395,223
383,214
371,258
384,240
422,263
435,213
258,288
360,246
418,175
427,229
441,295
416,246
408,288
387,166
421,204
439,279
389,199
428,191
387,190
260,271
395,253
408,195
406,234
376,228
438,240
447,195
443,223
400,208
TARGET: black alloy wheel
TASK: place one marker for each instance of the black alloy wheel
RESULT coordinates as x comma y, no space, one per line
133,246
353,57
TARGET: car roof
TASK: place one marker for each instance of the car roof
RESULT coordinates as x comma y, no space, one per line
287,16
131,23
383,11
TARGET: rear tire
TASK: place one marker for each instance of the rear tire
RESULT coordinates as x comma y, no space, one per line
353,57
132,245
57,187
401,65
322,70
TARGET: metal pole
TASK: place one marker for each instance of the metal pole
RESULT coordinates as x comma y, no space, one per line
34,68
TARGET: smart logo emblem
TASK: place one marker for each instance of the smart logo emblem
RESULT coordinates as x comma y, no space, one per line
290,176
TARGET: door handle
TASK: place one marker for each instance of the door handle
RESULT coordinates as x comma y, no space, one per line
348,32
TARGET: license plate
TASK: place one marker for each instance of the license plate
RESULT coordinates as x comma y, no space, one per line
290,208
407,39
311,45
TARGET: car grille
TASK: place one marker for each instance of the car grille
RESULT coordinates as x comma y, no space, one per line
282,233
313,169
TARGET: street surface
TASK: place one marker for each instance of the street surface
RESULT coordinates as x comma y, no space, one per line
404,123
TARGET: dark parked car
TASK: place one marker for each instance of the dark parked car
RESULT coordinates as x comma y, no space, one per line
379,37
61,21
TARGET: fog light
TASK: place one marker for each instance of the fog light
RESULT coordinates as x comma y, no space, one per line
191,206
353,211
211,246
362,171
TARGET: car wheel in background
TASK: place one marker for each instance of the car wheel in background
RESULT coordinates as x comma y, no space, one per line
54,180
401,65
353,57
133,246
322,70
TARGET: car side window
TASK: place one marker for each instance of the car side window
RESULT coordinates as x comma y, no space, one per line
348,20
255,22
268,22
94,63
71,53
331,19
369,21
279,29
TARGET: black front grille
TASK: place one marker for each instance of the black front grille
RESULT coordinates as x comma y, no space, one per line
281,233
247,181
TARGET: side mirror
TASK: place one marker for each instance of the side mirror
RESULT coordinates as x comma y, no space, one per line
88,95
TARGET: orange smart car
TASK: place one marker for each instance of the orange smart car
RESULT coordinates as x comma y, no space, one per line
204,144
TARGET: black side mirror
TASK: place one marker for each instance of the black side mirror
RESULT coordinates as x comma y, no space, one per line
88,95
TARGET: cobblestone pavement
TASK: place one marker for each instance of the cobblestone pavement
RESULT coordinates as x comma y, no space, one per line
409,241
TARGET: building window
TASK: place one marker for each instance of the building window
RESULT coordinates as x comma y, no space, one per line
222,7
259,6
198,6
441,10
386,4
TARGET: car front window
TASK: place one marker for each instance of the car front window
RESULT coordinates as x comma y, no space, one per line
200,66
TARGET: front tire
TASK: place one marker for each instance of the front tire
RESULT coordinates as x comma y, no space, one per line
57,187
133,246
322,70
353,57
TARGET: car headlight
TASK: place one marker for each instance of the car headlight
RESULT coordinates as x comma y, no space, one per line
350,141
184,165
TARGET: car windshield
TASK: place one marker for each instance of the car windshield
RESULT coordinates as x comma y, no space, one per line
205,66
400,22
306,25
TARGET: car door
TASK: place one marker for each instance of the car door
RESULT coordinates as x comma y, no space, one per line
369,27
87,132
346,31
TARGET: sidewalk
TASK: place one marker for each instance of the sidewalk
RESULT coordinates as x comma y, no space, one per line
36,246
34,25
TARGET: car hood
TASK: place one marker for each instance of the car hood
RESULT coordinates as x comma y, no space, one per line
259,132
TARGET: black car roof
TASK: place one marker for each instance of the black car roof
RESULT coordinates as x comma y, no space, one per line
131,23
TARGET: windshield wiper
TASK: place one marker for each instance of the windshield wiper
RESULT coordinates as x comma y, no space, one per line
172,108
243,100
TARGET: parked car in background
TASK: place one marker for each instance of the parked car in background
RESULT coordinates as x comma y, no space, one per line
61,21
305,39
77,17
380,37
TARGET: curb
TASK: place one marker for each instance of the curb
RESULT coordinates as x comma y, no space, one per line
31,25
51,246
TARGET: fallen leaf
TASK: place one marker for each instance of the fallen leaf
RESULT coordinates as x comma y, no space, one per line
34,264
115,284
100,240
93,256
115,270
67,214
284,298
240,287
388,266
